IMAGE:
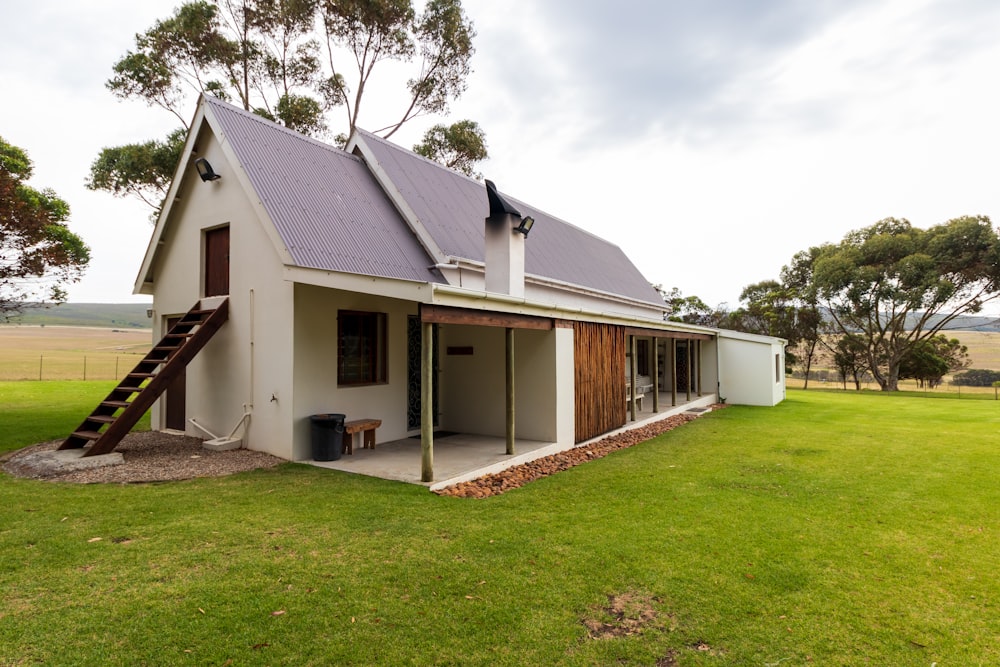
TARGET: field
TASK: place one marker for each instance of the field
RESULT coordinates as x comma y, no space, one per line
70,353
984,352
834,529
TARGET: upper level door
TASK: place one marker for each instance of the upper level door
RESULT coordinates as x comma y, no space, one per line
217,261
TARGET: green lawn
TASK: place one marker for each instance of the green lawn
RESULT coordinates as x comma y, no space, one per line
835,529
40,411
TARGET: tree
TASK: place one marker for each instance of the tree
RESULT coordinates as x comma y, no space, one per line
691,309
269,57
896,285
39,255
929,360
976,377
850,360
458,146
773,308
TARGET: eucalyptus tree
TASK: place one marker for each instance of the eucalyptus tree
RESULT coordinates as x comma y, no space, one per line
39,255
292,61
895,285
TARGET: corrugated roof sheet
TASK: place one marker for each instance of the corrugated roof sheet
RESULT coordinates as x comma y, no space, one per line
453,208
328,209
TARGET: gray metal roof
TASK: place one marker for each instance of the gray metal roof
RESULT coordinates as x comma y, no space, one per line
453,208
328,209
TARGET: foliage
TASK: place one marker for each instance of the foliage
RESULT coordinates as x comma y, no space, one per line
931,359
140,170
458,146
780,309
305,566
849,359
691,309
269,57
976,377
39,255
896,285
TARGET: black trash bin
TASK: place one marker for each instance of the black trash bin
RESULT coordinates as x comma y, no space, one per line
327,436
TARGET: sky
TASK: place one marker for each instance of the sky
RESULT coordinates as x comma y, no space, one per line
710,140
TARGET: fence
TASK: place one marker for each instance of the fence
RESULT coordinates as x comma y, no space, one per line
63,366
945,389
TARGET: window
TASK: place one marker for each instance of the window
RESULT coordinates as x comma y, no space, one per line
777,368
361,348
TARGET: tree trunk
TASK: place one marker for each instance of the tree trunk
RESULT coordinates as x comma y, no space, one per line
891,381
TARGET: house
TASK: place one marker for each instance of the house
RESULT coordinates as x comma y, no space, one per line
375,283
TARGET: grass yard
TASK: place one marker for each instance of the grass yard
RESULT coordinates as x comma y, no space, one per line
835,529
41,411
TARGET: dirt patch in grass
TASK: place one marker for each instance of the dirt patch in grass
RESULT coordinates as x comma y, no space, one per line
519,475
626,614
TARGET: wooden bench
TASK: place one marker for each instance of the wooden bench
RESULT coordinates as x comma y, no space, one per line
366,427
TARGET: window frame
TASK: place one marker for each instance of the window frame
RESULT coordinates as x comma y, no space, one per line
370,367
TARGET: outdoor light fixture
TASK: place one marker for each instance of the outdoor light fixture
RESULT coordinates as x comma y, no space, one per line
525,226
205,170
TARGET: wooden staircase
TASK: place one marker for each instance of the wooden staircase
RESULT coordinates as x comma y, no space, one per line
138,390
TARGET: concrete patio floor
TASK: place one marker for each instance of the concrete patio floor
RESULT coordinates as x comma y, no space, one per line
460,457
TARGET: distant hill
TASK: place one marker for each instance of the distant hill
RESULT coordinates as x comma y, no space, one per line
963,323
973,323
110,315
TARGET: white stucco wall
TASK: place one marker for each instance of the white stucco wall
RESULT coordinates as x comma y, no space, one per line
219,379
315,365
473,386
749,373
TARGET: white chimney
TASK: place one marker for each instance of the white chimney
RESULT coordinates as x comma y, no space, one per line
505,235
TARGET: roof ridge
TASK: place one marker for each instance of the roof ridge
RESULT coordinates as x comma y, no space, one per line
521,202
415,154
227,106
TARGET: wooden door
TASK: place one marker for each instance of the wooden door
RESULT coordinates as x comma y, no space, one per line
217,262
175,398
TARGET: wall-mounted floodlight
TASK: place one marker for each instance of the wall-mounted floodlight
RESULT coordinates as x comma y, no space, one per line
205,170
526,223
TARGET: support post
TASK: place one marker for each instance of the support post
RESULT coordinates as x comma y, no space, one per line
690,369
673,372
632,375
510,391
698,347
656,374
426,402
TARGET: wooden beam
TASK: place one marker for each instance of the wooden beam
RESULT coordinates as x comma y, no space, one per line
656,375
426,402
673,372
482,318
690,369
663,333
698,346
632,374
510,391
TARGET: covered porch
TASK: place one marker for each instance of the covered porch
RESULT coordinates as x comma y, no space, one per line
459,457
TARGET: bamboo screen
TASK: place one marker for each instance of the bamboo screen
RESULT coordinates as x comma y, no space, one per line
599,358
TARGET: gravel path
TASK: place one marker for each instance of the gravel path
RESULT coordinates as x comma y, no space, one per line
150,456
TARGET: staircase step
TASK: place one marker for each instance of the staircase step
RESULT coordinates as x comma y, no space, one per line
178,347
